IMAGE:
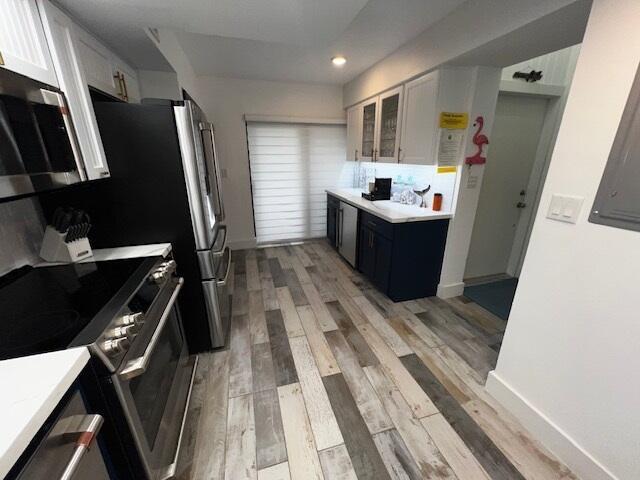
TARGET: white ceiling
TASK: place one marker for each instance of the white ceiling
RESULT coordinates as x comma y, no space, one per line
286,40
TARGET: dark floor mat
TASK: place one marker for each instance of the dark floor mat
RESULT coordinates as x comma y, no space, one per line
496,297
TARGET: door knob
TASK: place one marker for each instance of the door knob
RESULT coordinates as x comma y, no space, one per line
521,205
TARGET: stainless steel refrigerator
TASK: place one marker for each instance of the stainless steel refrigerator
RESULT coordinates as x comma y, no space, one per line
164,187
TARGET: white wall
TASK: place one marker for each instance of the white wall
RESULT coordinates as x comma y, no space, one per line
155,84
568,367
482,94
472,25
557,67
225,101
168,44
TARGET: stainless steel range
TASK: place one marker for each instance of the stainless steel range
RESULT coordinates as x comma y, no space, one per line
126,312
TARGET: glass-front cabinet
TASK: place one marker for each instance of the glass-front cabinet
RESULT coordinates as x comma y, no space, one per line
388,132
378,128
369,122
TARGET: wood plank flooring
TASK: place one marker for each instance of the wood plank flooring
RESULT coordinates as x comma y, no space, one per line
327,378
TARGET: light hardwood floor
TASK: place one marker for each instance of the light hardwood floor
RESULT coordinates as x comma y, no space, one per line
326,378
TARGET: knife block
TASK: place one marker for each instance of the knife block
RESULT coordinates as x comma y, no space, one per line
55,249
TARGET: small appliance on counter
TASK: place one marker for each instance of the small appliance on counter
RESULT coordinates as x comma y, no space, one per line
379,190
65,240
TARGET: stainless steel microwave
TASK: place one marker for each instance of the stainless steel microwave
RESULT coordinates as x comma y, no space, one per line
38,146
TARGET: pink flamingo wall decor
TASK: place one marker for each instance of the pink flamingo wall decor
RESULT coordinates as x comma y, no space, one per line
479,140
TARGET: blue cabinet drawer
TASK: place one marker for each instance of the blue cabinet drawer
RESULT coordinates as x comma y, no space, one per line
376,224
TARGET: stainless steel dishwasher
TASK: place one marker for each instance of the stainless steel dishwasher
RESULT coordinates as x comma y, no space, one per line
348,232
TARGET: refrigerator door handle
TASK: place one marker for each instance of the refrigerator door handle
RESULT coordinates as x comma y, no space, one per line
222,282
208,127
222,229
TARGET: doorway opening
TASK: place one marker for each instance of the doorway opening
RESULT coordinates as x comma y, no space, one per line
525,127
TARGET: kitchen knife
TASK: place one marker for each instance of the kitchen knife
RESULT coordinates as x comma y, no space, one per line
78,217
70,232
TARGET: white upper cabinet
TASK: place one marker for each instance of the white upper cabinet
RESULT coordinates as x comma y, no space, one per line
354,133
373,128
369,123
388,126
63,42
420,121
23,46
104,71
97,63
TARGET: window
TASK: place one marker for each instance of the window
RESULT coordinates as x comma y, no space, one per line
291,165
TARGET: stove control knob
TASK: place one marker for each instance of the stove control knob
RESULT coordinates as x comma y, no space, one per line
127,331
158,276
115,346
170,266
136,319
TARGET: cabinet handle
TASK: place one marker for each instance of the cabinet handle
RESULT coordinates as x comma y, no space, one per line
116,77
122,86
125,92
399,152
356,156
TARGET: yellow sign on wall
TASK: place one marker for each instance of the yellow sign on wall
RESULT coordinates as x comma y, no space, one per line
446,170
454,121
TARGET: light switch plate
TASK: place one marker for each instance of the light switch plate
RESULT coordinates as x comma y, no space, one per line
565,208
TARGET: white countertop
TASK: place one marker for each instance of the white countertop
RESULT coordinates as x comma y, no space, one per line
117,253
134,251
31,389
393,212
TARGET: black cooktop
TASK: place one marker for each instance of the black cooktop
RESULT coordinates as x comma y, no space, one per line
44,309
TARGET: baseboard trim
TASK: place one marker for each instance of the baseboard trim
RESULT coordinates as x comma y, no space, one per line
547,432
242,244
451,290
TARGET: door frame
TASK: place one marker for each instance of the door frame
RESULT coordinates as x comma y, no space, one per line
556,99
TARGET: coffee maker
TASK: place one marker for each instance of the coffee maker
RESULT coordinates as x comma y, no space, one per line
379,190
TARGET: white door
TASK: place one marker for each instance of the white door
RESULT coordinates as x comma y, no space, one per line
23,46
420,121
503,198
369,113
389,125
60,32
354,133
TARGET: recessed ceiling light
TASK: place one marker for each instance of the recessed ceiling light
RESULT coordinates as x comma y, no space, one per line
339,61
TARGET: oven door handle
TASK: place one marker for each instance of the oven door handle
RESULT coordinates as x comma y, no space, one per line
170,471
138,366
223,282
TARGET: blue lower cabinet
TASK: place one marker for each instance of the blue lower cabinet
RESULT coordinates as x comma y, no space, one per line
402,260
383,253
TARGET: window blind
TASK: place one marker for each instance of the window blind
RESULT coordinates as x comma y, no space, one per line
291,165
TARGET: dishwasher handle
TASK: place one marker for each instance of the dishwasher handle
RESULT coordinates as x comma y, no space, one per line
83,444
